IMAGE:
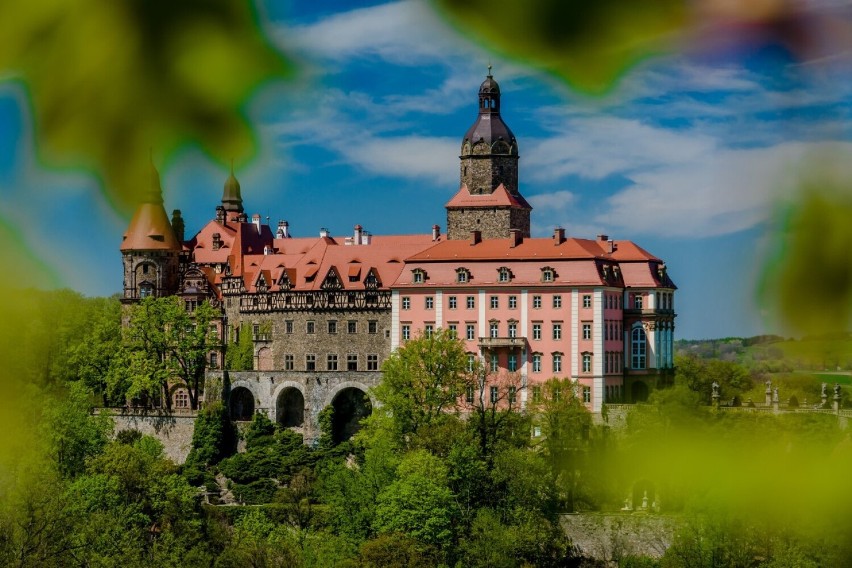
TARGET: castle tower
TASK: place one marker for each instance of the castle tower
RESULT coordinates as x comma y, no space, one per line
232,201
488,199
150,250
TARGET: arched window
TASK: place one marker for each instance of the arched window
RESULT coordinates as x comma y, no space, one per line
637,347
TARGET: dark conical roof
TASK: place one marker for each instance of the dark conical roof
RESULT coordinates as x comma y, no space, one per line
489,125
231,198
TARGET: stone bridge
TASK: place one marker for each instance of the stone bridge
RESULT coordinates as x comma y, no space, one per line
295,399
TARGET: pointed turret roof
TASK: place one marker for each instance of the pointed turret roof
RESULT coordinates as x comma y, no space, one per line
149,228
231,198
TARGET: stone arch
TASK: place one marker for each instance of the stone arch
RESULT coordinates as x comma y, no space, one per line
290,405
638,391
351,404
241,403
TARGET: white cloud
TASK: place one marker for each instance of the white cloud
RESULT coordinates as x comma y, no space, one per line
406,156
555,201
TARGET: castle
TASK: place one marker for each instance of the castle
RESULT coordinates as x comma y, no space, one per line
325,312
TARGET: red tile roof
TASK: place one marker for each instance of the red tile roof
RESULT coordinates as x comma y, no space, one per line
150,229
499,198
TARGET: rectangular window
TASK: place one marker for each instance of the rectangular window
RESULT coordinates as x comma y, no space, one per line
495,363
406,303
512,391
470,332
513,329
352,326
494,329
331,362
503,275
310,362
557,331
289,362
453,328
453,302
513,362
288,326
471,302
536,331
373,326
536,394
468,395
587,331
637,302
557,301
536,302
557,363
332,326
214,360
372,362
587,300
494,395
513,302
495,302
471,362
310,327
428,330
536,362
406,332
430,303
587,362
587,394
352,362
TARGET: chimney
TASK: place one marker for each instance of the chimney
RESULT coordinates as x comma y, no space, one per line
359,231
267,250
436,232
603,238
559,235
255,219
220,214
217,241
366,237
283,231
611,246
323,233
475,237
515,237
177,225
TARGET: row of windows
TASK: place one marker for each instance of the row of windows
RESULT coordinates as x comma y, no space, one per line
613,329
613,362
332,326
494,302
612,301
556,393
332,362
504,274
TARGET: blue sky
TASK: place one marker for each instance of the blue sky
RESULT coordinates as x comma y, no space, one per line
690,156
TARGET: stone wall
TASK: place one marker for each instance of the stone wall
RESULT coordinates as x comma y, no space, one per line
608,537
484,174
494,223
175,432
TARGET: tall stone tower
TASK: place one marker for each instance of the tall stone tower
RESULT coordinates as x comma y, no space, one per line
488,200
150,250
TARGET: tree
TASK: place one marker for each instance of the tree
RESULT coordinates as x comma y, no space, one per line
240,353
423,379
699,375
92,357
495,399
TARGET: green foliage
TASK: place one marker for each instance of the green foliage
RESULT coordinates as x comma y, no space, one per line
396,550
239,355
699,375
214,437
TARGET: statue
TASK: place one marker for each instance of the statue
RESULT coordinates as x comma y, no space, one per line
768,386
715,389
775,395
824,390
836,390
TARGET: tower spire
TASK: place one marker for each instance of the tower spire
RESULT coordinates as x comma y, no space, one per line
231,198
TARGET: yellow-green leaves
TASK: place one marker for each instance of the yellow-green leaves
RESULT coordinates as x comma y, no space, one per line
109,80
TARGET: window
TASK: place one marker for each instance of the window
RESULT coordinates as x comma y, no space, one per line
428,330
373,326
557,301
406,303
503,275
471,302
513,302
494,329
372,362
468,395
310,362
430,303
289,362
557,362
587,300
352,326
547,275
536,331
557,331
462,275
536,362
557,393
181,399
536,302
536,431
470,332
536,394
332,326
406,332
331,362
494,395
512,392
587,362
418,276
513,362
310,327
587,394
471,362
587,331
214,360
288,326
495,302
637,348
495,363
453,302
637,302
145,290
513,329
352,362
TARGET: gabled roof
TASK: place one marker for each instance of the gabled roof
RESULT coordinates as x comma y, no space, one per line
501,197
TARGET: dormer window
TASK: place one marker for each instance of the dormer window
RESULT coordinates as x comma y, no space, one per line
462,275
504,274
418,276
548,274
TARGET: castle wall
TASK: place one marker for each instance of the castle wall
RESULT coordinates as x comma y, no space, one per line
174,431
492,222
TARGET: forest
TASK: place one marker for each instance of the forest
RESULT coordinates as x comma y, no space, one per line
421,484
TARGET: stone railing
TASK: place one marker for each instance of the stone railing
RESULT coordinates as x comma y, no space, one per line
490,342
153,412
